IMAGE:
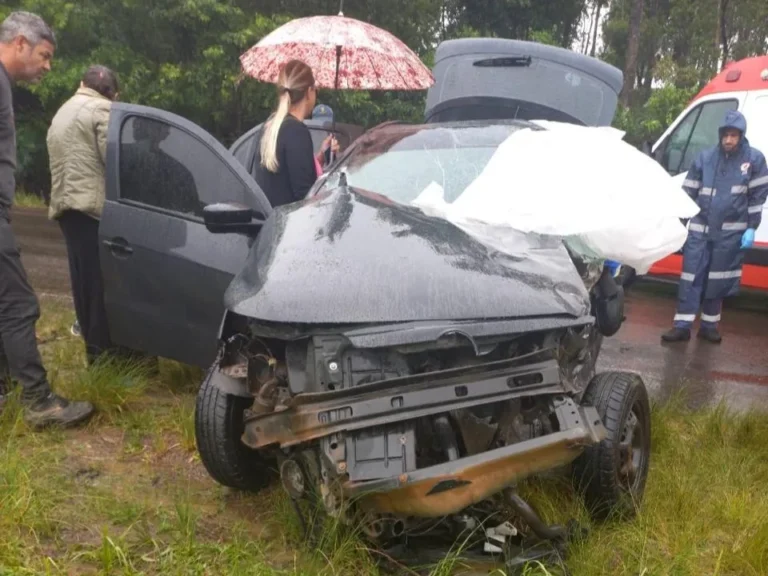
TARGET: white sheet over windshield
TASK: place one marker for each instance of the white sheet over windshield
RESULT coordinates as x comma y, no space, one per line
575,182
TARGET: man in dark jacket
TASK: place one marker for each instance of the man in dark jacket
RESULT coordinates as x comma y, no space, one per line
27,45
729,183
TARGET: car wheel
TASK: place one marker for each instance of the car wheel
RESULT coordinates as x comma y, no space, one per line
627,277
613,473
218,429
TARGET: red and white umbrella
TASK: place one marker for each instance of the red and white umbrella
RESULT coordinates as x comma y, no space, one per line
344,54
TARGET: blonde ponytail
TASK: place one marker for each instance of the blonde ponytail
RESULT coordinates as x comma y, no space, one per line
293,82
269,139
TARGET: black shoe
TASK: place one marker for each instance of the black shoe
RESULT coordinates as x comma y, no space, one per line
53,410
710,335
677,335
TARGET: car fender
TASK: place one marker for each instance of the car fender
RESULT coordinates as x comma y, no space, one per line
225,382
230,385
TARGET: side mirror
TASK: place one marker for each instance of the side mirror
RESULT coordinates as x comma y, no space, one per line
647,148
230,218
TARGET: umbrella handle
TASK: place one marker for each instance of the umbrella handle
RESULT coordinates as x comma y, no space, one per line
338,64
333,135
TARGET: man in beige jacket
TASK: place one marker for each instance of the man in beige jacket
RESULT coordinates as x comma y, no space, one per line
77,147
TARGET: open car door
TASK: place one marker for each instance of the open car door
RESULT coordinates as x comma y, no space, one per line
164,273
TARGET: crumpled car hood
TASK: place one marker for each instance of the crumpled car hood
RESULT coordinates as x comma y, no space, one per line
354,257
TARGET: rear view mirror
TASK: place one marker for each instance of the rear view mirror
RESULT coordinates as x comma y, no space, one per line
647,148
230,218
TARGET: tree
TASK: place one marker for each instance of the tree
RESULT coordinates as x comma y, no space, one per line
633,46
182,56
721,37
518,19
595,27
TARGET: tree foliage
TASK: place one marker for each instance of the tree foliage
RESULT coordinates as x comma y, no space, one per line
182,55
553,20
683,44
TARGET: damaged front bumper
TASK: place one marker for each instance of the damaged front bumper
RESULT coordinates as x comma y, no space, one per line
453,486
367,434
315,415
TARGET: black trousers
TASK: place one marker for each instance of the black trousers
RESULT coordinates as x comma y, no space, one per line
19,312
81,233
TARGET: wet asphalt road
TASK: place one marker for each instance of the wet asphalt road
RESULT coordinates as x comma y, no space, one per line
43,251
736,371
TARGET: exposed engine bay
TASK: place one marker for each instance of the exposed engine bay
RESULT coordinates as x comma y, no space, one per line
426,437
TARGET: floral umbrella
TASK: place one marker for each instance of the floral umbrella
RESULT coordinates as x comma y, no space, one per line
344,54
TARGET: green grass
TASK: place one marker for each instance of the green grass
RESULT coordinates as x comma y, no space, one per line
128,494
24,199
706,507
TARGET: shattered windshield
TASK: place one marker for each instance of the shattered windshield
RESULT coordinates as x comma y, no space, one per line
401,161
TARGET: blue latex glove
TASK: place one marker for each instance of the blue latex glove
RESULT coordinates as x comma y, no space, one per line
748,239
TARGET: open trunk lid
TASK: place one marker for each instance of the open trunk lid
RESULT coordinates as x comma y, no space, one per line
490,78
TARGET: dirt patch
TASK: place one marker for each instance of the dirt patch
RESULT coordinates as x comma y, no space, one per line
157,479
98,457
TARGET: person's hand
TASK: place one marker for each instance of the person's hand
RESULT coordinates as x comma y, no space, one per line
330,142
748,239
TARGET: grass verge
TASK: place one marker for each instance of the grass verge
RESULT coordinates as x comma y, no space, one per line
128,495
24,199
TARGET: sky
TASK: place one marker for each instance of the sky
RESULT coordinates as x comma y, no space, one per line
584,28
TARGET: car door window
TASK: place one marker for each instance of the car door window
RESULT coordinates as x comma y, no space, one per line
167,168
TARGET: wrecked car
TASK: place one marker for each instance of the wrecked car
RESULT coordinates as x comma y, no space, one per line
402,370
405,374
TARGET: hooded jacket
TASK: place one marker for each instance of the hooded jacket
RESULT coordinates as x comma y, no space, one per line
730,189
77,149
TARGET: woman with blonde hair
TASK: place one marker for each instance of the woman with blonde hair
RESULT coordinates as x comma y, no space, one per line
285,166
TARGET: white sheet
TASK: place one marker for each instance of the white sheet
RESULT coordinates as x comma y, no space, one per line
575,182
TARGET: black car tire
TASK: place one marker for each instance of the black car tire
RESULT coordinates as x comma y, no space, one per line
218,429
612,474
627,278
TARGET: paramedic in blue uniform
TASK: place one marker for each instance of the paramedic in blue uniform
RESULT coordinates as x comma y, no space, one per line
729,183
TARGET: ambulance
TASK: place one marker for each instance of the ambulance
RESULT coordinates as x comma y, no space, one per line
741,86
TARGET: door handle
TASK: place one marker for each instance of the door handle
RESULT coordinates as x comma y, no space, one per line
118,246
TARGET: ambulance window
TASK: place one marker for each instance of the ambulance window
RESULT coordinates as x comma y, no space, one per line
705,134
697,131
673,150
758,120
